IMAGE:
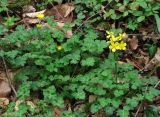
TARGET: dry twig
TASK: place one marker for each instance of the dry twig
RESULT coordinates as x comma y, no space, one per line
8,77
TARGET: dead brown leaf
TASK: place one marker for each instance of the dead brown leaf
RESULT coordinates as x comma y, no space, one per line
33,14
133,43
92,98
80,107
57,112
4,102
61,12
31,20
5,89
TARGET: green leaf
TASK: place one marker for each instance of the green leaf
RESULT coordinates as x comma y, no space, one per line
156,16
132,103
79,94
123,113
50,96
116,103
90,61
81,16
132,25
40,61
104,101
20,61
51,67
140,19
3,29
152,50
143,4
152,111
95,108
24,90
118,93
12,54
3,5
96,90
109,110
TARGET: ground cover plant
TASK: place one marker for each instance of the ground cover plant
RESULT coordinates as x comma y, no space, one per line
79,58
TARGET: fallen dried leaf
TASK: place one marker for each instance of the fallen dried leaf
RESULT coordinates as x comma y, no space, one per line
33,15
31,20
4,102
133,43
68,8
5,89
121,62
57,112
61,13
92,98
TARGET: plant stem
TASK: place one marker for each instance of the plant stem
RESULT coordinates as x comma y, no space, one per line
115,58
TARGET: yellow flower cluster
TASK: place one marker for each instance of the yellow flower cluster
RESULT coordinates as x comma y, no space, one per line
116,43
39,16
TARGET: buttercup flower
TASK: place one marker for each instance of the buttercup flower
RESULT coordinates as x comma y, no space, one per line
40,15
39,25
114,46
121,36
122,45
116,43
110,34
59,48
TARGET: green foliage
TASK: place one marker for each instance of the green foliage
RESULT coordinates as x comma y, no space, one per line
152,48
9,21
157,21
3,29
74,72
18,3
152,111
80,68
44,3
3,5
133,12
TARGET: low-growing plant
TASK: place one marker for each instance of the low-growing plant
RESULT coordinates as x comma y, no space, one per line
133,12
3,5
55,69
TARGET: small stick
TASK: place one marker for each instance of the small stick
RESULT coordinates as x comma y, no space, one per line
8,78
157,84
138,110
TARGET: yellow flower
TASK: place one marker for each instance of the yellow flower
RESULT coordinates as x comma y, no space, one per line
114,46
121,36
39,25
110,34
113,38
122,45
116,43
40,15
59,48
